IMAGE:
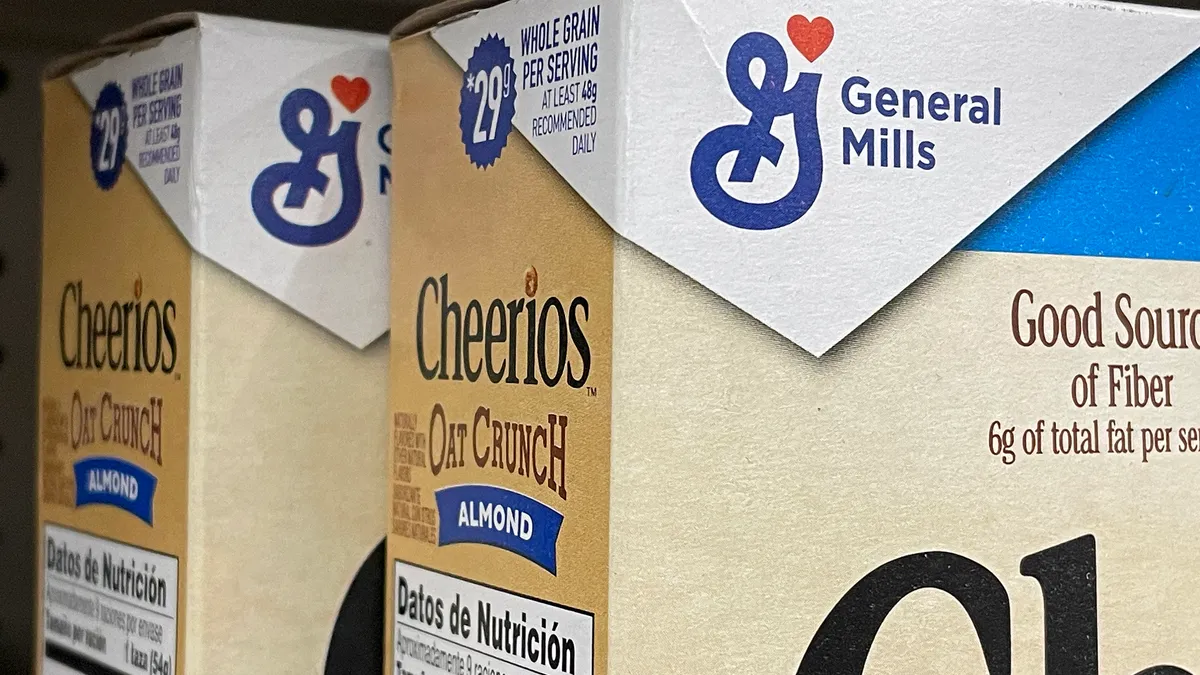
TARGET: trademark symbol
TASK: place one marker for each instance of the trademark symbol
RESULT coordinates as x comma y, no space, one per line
178,377
591,391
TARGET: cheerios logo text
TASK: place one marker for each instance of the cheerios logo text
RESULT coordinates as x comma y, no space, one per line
122,334
518,341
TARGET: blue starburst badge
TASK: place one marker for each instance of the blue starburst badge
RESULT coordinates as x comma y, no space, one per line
489,101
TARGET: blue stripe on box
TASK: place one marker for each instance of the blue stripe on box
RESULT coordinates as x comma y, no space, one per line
1127,190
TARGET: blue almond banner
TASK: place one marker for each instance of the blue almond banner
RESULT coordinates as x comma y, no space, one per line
485,514
115,482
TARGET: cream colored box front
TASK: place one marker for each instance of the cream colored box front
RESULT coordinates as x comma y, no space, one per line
777,338
212,374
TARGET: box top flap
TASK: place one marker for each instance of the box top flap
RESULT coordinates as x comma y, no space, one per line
141,36
809,168
443,12
298,211
162,26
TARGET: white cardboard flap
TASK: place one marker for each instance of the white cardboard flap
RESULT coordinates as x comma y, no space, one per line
267,146
808,162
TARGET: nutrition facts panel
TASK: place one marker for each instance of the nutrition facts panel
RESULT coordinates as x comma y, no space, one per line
447,625
108,607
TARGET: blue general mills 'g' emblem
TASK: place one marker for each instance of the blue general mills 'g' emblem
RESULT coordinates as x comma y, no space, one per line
304,176
489,101
110,135
753,140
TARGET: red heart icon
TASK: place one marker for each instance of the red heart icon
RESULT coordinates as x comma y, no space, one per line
352,93
812,38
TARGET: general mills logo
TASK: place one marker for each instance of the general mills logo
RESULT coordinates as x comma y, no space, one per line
304,176
753,141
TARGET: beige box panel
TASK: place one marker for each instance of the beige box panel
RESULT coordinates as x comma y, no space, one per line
286,469
753,485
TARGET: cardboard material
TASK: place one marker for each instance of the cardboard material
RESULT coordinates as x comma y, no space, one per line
811,403
211,379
